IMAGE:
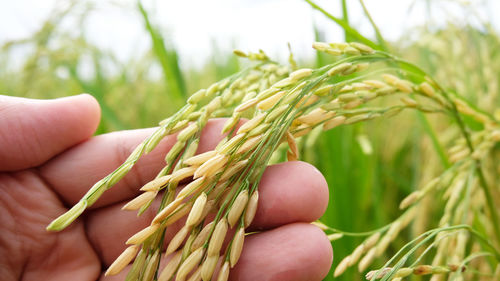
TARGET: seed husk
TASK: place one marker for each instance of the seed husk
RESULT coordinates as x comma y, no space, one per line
165,212
142,235
192,187
233,170
140,201
180,212
212,165
189,264
156,184
194,216
334,122
123,260
196,276
270,101
217,238
252,123
301,73
202,236
236,247
224,272
237,208
341,268
251,208
246,105
182,173
177,240
200,158
150,270
208,267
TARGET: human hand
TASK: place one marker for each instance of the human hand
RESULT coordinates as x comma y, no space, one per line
50,159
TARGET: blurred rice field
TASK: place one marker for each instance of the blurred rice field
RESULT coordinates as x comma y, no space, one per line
370,167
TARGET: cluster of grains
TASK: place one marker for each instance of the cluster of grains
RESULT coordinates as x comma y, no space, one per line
221,194
418,270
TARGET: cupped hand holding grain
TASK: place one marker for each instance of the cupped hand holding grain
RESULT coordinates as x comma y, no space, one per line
49,160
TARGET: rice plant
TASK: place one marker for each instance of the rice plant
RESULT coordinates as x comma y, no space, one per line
446,228
283,105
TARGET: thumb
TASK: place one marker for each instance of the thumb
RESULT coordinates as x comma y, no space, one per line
33,131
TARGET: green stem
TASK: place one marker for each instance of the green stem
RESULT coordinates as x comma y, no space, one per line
345,17
482,179
347,28
380,38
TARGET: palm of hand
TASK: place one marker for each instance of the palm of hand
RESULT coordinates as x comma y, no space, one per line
48,162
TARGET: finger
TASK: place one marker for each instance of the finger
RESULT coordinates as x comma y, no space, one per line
74,172
33,131
289,192
294,252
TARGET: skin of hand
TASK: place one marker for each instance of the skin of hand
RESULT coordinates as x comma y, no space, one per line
49,159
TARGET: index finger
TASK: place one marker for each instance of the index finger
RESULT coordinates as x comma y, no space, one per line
72,173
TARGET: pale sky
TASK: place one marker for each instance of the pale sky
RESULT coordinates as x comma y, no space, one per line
193,25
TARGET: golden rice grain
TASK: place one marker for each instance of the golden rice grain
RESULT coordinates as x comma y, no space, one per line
375,83
283,83
301,73
277,112
123,260
342,267
246,105
196,276
252,123
178,213
156,184
202,236
237,208
182,173
187,132
427,89
227,147
338,69
195,215
142,235
192,187
200,158
249,144
208,267
233,169
334,122
362,47
169,270
224,272
270,101
366,260
320,46
217,238
189,264
251,208
140,200
316,116
356,254
334,236
212,165
177,240
150,270
236,247
409,102
165,212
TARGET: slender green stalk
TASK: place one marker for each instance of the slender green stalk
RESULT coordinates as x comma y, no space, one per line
350,30
380,38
